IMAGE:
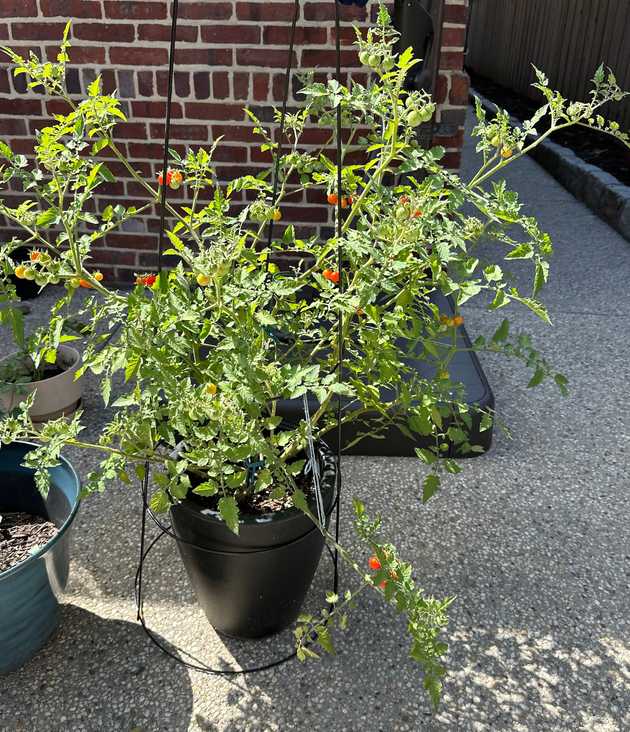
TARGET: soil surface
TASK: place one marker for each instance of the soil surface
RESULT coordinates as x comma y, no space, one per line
259,503
593,147
20,535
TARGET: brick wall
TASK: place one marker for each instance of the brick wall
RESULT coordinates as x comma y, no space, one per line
230,53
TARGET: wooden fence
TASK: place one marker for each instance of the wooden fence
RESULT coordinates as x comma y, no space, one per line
567,39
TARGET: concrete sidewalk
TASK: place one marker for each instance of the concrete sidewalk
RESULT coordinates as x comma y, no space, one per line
533,539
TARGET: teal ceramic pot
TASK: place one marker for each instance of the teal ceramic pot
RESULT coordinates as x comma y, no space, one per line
29,606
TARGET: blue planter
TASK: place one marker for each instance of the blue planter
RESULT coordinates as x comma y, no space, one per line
29,608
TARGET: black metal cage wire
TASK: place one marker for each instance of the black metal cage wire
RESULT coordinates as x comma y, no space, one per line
164,530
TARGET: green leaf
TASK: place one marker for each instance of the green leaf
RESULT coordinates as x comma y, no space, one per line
47,216
562,382
540,277
299,501
430,485
207,488
536,379
159,502
228,509
502,332
521,251
5,151
106,390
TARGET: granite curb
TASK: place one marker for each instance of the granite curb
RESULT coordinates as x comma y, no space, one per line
604,194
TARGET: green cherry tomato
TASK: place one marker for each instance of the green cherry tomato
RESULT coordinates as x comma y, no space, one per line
364,58
374,60
414,118
388,64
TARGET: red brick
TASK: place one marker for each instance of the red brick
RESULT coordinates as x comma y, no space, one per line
132,56
80,54
145,83
204,110
26,107
35,125
441,89
4,31
179,132
155,32
230,34
450,140
233,133
453,37
119,32
347,35
105,256
133,10
18,8
263,57
451,160
67,8
182,83
130,241
260,156
155,109
37,31
198,10
131,130
203,56
451,60
230,153
315,214
315,136
455,14
264,11
261,87
326,59
326,11
460,85
279,35
119,170
240,82
57,106
12,126
4,82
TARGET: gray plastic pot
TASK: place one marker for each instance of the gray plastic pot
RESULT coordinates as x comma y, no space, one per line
55,397
29,591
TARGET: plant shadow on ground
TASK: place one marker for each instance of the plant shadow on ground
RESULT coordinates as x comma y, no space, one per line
501,678
96,673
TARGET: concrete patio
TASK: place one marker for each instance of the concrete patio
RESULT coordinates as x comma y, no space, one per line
533,539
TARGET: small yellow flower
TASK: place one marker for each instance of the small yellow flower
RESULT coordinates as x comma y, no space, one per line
203,280
506,153
211,389
98,276
276,215
19,271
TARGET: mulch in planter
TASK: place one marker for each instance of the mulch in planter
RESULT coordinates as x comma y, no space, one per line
22,534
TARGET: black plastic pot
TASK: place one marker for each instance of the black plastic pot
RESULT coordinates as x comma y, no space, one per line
253,584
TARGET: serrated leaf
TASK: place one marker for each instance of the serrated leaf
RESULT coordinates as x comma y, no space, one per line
228,508
159,502
430,485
